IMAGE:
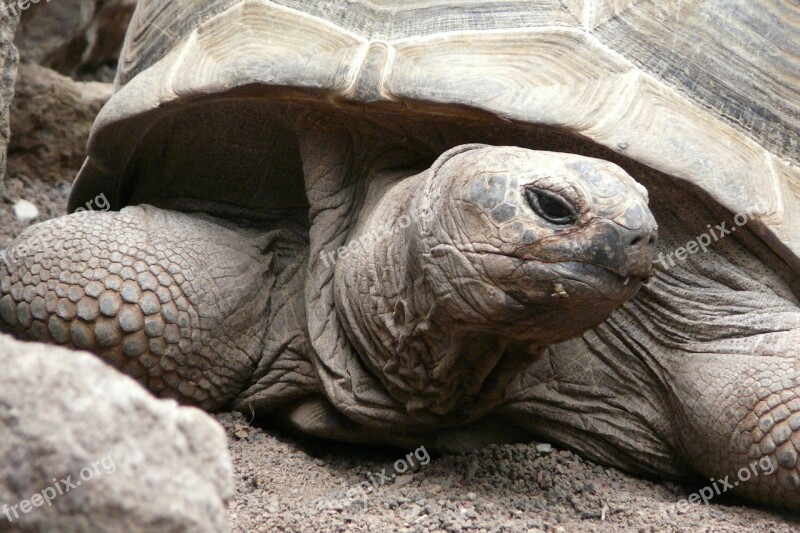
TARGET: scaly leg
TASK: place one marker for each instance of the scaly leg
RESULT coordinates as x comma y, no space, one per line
180,302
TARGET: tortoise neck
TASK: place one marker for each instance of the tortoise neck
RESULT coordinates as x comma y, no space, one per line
424,357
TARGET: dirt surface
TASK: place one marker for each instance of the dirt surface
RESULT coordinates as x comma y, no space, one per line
286,483
50,119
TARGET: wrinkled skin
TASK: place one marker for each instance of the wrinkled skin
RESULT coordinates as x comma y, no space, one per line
443,318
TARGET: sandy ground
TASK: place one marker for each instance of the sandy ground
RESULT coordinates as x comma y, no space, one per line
286,483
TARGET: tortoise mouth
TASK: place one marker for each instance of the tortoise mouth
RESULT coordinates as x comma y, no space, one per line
543,283
628,277
602,281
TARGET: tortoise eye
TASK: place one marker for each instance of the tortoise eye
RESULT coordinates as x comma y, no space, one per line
551,206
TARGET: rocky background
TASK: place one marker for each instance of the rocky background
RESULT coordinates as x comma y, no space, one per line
68,51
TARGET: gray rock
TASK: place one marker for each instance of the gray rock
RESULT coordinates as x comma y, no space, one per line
87,449
49,26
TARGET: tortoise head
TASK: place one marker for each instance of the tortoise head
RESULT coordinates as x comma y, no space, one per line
538,245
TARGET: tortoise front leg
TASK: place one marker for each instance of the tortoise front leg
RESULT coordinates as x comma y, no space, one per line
178,301
739,421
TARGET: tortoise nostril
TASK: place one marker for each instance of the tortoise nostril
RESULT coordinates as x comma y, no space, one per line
641,239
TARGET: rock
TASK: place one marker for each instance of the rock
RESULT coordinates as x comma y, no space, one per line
50,121
8,75
50,26
85,448
25,211
544,448
403,480
75,37
105,36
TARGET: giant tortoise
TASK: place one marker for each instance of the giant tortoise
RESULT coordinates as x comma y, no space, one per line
417,223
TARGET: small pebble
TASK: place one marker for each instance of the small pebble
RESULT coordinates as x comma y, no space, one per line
403,480
544,448
25,211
